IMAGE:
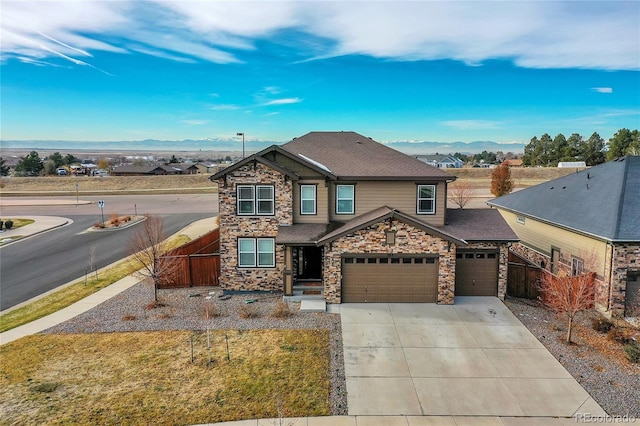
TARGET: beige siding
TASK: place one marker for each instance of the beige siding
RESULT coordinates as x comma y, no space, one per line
398,195
322,203
296,167
541,237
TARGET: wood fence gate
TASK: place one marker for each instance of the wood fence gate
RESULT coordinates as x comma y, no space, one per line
523,278
197,262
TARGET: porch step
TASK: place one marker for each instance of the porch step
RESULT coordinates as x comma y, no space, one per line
313,305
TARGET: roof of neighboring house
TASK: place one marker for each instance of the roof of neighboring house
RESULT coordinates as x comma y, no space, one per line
135,169
478,225
437,158
603,201
516,162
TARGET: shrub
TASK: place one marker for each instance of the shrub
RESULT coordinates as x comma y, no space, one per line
249,311
8,224
632,351
1,224
602,324
282,310
210,310
622,335
128,317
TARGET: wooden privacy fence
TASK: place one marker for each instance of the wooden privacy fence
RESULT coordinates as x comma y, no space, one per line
523,278
196,263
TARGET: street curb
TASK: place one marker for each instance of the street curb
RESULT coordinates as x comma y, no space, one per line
26,237
118,228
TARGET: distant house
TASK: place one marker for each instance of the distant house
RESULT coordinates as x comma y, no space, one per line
164,169
517,163
441,161
584,222
572,164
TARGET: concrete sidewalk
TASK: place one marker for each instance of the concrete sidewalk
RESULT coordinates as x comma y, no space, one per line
41,224
194,230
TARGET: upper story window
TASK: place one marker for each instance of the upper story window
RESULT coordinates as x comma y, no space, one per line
307,199
426,199
345,199
255,200
256,252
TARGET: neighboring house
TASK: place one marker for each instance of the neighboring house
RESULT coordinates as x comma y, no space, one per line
572,164
516,162
585,221
164,169
343,216
441,161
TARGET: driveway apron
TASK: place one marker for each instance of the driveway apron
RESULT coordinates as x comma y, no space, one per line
474,358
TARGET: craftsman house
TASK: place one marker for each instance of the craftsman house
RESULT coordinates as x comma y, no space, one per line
345,217
588,221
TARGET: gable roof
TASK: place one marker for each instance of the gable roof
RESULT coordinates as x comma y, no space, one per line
352,156
603,201
478,225
383,213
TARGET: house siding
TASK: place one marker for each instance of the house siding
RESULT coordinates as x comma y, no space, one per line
400,195
322,203
233,227
409,240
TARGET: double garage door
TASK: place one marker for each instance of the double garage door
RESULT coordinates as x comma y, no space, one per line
389,279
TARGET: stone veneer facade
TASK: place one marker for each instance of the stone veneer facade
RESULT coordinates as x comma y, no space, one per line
372,239
610,291
233,226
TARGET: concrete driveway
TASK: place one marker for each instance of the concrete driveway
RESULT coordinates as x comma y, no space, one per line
473,358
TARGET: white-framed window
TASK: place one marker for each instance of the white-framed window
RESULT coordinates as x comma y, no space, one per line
307,199
577,266
256,252
345,199
520,220
426,199
255,200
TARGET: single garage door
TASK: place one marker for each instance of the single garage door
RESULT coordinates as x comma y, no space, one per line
632,294
476,273
389,279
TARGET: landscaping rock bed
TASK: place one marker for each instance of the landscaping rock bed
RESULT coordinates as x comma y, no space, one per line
596,361
186,309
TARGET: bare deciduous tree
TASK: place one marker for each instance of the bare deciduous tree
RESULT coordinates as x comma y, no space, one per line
568,295
147,246
460,193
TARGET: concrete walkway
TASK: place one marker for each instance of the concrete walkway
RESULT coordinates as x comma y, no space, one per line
41,224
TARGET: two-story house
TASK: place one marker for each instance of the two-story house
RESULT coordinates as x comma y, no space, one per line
343,215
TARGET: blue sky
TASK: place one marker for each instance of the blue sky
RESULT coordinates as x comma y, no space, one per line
421,70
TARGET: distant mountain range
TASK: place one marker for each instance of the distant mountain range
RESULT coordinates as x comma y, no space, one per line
221,144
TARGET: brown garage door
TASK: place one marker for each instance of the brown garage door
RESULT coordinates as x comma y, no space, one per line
476,273
389,279
632,295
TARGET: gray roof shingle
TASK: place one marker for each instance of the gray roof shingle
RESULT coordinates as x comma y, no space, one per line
603,201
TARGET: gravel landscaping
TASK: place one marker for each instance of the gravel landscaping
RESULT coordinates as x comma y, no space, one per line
597,362
185,309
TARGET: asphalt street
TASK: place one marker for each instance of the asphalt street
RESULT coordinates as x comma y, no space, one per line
36,265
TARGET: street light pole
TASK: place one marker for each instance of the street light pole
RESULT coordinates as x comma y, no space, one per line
241,134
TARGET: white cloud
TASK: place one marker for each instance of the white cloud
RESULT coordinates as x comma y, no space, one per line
602,89
224,107
283,101
195,122
534,34
472,124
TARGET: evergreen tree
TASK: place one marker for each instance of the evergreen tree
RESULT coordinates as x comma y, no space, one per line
57,159
30,165
620,143
4,170
592,151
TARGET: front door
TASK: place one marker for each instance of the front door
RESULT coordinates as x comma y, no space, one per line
309,263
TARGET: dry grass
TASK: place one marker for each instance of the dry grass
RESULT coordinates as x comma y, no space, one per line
17,223
76,291
522,177
148,378
65,185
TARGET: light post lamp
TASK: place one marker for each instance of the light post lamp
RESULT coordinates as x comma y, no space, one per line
76,195
241,134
